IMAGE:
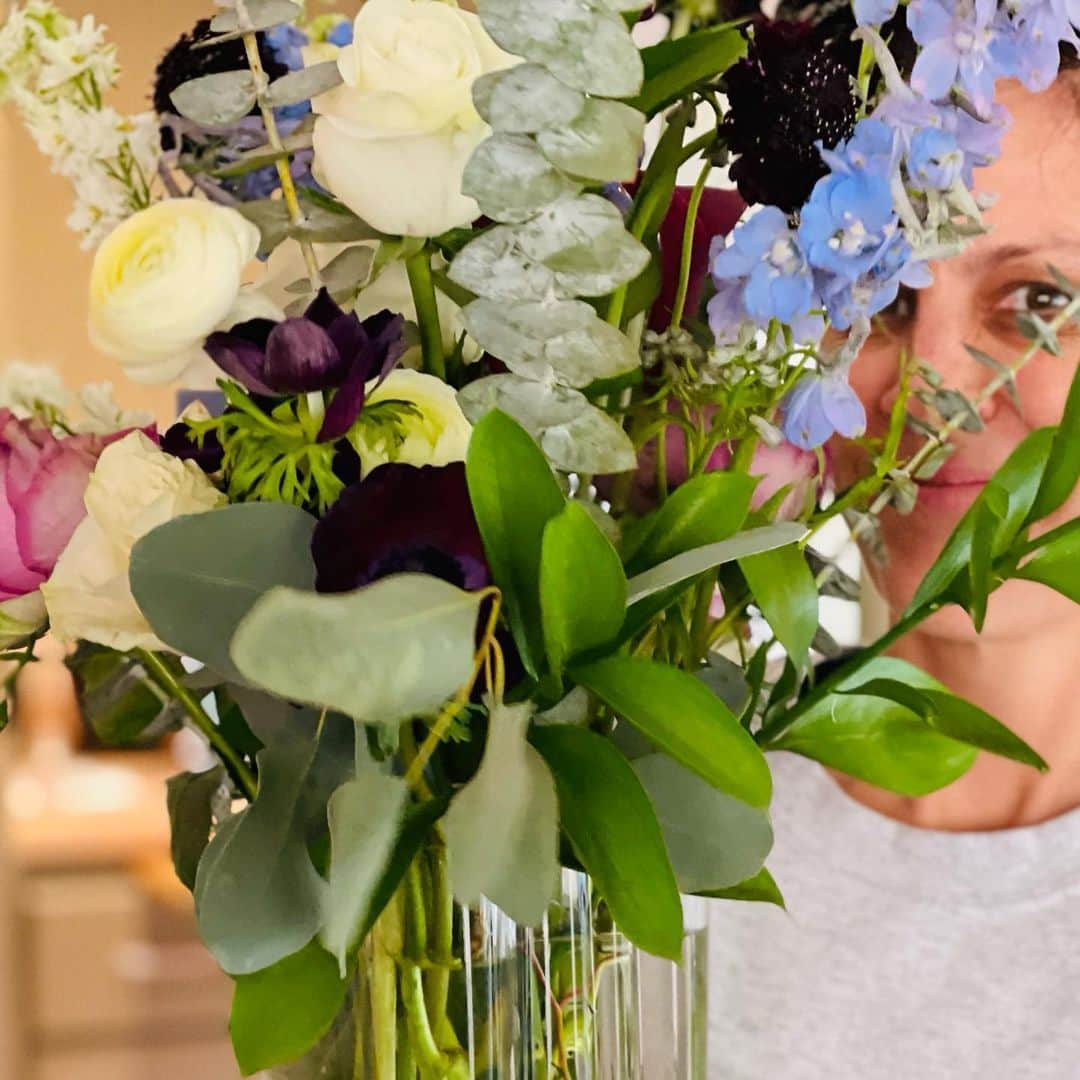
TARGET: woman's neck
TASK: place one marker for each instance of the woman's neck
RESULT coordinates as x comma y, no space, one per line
1028,683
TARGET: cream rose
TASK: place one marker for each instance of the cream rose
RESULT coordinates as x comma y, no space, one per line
393,141
163,280
135,488
436,433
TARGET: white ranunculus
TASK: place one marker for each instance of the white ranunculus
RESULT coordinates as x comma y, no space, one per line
135,488
436,434
165,279
393,141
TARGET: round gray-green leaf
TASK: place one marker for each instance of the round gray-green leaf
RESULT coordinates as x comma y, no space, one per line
713,840
536,406
216,101
511,179
262,14
590,443
565,341
603,143
525,99
394,649
305,84
494,266
588,50
196,577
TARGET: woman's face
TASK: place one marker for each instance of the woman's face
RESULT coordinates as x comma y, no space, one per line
974,301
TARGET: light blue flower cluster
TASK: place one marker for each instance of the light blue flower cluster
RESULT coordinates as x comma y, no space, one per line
892,191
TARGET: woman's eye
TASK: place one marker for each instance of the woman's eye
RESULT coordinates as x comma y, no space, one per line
1035,297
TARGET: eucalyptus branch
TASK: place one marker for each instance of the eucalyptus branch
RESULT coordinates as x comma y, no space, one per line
262,89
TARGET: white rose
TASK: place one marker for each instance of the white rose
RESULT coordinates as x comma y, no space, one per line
393,141
165,279
436,434
135,488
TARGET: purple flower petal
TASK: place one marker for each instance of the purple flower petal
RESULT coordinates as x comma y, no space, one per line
241,353
346,406
301,358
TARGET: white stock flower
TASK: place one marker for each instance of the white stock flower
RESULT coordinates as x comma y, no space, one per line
33,389
102,413
393,141
135,488
435,433
165,279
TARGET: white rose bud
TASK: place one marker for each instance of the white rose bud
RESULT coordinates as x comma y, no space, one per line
163,281
135,488
392,142
436,433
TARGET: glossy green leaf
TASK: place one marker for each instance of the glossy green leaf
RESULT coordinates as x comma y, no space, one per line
502,829
216,101
196,577
514,495
280,1013
727,680
390,650
683,717
687,566
604,142
257,893
1063,462
190,798
365,817
761,888
713,840
955,717
525,99
785,593
614,832
676,66
877,740
993,508
703,511
1057,565
582,587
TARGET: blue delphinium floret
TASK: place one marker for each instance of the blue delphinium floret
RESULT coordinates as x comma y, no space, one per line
1039,28
820,405
762,274
935,160
873,291
341,35
965,43
874,12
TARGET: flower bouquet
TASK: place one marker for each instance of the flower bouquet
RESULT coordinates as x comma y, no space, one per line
488,572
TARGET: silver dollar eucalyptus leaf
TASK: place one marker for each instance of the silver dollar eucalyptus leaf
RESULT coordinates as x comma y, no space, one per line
262,15
536,406
587,49
585,243
525,99
494,266
590,443
564,341
216,101
603,143
511,179
304,84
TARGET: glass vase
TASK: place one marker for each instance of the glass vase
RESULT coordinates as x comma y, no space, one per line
481,998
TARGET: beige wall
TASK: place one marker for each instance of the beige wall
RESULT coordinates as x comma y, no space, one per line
43,272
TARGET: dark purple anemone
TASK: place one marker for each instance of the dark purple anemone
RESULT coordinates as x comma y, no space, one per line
401,519
180,442
325,349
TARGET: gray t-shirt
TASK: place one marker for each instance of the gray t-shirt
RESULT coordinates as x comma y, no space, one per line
905,953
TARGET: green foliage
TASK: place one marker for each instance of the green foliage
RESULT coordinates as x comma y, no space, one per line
602,143
614,832
1057,564
397,648
526,99
304,84
262,15
514,495
191,801
281,1012
713,840
878,740
582,587
502,829
511,179
196,577
1062,471
761,888
683,717
216,101
785,592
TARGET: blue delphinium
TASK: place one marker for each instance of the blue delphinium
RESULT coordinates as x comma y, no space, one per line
965,43
874,12
1039,28
820,405
873,291
761,275
935,160
341,35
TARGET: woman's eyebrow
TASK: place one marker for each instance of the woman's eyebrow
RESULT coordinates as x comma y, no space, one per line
1004,252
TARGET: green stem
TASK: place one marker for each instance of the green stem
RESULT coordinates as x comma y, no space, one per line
167,681
440,945
418,267
386,940
688,246
430,1059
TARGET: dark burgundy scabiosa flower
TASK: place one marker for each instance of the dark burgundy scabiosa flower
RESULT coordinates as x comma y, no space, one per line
325,349
401,519
792,90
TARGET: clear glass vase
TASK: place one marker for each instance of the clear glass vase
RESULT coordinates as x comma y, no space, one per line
572,1000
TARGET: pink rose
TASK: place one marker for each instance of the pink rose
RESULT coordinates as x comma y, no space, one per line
42,482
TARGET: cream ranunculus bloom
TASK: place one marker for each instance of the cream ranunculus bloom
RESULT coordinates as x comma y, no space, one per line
164,280
436,434
135,488
393,141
